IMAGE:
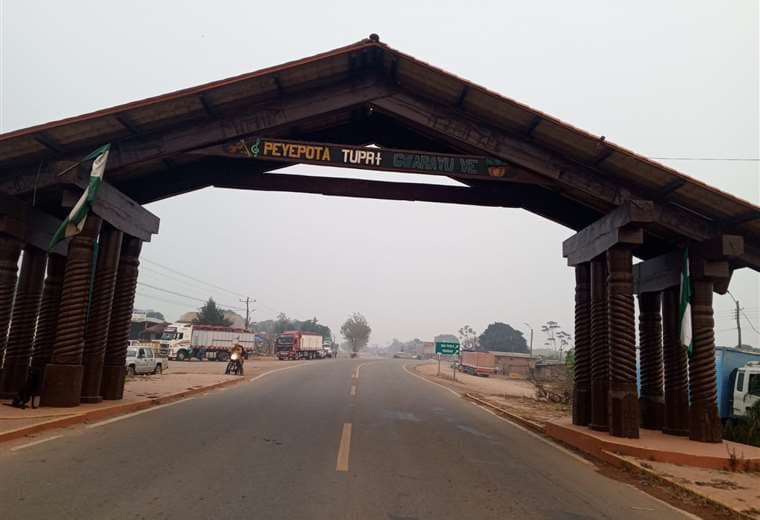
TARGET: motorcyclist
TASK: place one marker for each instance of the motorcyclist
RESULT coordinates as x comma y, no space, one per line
237,357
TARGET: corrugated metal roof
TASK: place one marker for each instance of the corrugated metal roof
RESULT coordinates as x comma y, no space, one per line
59,138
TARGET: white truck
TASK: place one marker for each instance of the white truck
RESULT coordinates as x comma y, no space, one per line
142,359
184,341
746,391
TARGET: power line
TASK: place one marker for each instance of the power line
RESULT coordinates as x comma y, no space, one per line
738,159
233,307
193,278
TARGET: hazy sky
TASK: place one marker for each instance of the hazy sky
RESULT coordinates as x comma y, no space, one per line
664,78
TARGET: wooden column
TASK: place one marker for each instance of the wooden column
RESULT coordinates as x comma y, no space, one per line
704,421
114,372
624,404
582,388
651,401
600,353
44,338
25,309
10,249
62,379
676,420
100,312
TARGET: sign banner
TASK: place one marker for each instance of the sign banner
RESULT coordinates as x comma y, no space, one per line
362,157
446,348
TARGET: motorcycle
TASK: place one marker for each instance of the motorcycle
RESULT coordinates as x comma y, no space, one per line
235,365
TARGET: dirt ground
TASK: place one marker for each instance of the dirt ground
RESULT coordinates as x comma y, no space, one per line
739,491
514,395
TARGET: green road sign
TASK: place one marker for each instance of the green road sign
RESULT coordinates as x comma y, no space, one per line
446,348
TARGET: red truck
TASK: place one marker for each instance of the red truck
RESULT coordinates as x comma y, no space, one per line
295,344
478,363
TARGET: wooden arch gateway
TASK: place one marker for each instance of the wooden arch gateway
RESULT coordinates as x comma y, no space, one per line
326,109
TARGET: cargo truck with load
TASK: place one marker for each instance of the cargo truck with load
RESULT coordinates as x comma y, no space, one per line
477,363
184,341
296,344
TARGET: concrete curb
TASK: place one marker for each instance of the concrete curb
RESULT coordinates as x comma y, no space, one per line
621,462
522,421
112,411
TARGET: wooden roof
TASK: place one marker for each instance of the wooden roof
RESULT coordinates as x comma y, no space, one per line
369,92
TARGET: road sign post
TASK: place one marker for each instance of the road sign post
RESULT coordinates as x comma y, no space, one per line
447,348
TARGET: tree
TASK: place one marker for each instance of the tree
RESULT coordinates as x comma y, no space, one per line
155,314
317,328
210,314
503,338
556,338
356,330
469,338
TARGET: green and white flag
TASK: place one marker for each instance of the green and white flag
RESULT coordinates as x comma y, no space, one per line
685,304
74,222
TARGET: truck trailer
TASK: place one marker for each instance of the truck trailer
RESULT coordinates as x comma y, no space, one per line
296,344
184,341
478,363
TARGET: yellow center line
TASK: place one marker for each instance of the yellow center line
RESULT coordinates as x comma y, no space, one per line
344,449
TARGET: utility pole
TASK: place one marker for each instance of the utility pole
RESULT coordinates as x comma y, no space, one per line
247,301
531,339
738,324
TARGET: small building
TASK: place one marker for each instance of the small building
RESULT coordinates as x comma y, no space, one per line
518,365
550,370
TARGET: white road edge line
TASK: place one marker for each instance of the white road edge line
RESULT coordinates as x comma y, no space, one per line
353,390
139,412
537,436
431,382
275,370
674,508
35,443
344,449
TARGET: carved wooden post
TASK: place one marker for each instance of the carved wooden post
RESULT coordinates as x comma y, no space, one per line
112,386
651,401
25,308
624,403
10,249
44,338
582,390
62,379
676,368
704,421
600,353
100,313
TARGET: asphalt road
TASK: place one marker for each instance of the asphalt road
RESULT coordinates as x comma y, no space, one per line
312,442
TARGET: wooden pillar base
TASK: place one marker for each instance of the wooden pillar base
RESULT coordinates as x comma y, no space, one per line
624,411
676,412
61,385
704,422
581,406
600,391
652,411
112,385
12,380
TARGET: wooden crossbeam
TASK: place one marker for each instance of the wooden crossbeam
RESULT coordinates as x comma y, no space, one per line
622,225
455,128
269,116
29,225
117,209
